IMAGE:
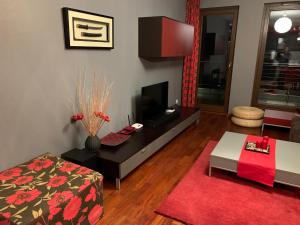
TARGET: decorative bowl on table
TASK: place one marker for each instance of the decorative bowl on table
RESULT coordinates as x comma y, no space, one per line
114,139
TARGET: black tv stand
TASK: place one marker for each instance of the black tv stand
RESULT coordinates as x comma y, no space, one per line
119,161
161,119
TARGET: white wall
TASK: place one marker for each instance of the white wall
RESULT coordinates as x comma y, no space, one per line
246,47
38,76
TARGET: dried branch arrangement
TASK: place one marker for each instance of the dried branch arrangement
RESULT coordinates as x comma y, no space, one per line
92,100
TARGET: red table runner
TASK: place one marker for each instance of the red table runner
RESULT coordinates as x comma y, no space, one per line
257,166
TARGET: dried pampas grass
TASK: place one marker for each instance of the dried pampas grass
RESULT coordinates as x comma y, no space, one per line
92,97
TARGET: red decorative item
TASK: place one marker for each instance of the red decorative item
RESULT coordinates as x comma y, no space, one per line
106,118
113,139
264,144
258,144
77,117
190,68
102,116
98,114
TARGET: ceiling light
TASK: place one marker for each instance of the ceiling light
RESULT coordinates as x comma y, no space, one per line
283,25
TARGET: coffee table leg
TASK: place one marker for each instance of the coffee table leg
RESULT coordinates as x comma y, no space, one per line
209,170
262,129
118,183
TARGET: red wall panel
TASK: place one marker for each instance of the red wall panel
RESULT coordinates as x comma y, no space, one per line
177,38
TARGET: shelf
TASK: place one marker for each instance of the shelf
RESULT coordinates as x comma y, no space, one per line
163,38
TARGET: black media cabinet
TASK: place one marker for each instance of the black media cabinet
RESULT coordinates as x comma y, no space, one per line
117,162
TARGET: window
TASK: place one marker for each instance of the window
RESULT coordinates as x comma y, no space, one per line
277,82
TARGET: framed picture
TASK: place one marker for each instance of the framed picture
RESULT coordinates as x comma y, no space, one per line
87,30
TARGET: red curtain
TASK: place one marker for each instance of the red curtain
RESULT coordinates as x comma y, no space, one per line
190,67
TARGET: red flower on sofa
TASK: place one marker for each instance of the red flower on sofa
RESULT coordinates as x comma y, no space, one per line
83,171
5,222
95,214
72,208
91,195
68,167
57,181
85,185
80,220
6,215
23,180
59,197
10,174
53,212
39,164
22,196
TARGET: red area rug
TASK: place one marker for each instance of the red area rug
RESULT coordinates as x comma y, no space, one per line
226,199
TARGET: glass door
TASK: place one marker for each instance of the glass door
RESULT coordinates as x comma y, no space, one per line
277,83
216,57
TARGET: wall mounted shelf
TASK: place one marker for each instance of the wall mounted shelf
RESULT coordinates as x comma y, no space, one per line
164,38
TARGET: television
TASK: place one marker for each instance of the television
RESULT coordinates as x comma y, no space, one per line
154,100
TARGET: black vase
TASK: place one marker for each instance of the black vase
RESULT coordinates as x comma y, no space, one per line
92,143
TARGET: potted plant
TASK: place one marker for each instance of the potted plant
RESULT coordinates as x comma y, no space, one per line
92,100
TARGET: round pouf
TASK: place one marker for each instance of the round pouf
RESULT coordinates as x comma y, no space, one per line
245,122
247,112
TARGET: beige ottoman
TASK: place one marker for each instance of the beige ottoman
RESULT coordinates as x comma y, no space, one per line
247,116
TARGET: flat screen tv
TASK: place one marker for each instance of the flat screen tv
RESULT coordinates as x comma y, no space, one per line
154,100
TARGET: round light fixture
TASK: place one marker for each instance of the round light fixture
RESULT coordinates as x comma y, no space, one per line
283,25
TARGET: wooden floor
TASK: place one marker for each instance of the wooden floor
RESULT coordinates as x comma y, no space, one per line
143,190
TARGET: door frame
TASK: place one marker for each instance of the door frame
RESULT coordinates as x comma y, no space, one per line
268,8
216,11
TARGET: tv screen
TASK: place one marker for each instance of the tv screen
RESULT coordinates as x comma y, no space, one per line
154,100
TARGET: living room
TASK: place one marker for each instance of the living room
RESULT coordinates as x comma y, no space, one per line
207,62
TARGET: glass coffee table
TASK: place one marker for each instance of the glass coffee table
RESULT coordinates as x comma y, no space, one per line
226,155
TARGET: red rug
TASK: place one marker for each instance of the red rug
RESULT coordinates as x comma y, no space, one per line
226,199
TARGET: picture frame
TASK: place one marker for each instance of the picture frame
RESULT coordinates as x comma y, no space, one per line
86,30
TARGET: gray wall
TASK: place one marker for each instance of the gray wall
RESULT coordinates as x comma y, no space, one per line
246,47
38,76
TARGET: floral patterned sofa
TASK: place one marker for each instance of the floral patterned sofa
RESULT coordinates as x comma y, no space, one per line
49,190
